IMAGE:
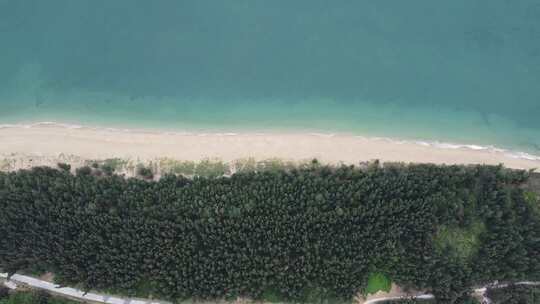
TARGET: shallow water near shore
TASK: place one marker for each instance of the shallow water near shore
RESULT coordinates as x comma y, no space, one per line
455,72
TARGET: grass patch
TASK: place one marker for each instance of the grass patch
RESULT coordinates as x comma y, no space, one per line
320,295
144,289
378,282
245,165
205,168
272,296
114,163
34,297
533,200
19,298
4,165
34,271
464,242
172,166
272,164
209,168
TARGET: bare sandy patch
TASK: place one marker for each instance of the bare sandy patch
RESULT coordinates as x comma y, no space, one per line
76,145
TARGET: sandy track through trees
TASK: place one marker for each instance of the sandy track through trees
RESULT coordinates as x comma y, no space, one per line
17,279
72,292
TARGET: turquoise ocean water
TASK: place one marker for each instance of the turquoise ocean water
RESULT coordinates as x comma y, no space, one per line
457,71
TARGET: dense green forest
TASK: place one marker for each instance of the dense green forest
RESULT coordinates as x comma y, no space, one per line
302,234
515,294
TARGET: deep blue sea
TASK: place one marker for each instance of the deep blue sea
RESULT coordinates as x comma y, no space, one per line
462,71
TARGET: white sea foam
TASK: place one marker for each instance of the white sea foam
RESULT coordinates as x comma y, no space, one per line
43,124
454,146
522,155
431,144
8,126
422,143
329,135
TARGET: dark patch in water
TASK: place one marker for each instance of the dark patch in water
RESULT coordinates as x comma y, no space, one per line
485,118
38,101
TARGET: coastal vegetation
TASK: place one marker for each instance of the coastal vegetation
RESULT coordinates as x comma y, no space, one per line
301,233
204,168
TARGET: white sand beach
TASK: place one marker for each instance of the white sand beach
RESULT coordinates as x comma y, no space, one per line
53,141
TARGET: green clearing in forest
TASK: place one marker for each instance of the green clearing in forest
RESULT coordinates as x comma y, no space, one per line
463,241
376,282
533,200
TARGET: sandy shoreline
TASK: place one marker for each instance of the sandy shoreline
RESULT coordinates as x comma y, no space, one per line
53,141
